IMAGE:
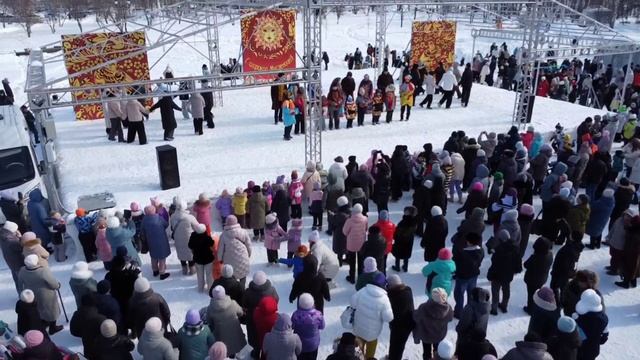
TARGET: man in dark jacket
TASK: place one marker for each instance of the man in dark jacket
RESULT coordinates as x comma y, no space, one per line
167,116
122,277
231,285
401,299
110,345
312,282
145,304
466,82
85,324
537,265
108,306
385,79
375,247
208,106
348,85
531,348
468,261
564,266
565,343
339,243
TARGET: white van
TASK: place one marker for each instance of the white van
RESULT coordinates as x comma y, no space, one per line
18,162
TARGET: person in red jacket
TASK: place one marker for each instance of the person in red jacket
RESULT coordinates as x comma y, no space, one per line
527,137
543,87
264,317
387,230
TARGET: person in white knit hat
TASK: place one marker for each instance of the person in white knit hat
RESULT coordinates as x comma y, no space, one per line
200,244
11,249
145,304
153,344
44,286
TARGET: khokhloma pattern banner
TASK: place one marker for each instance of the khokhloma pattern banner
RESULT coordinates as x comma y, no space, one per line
433,42
269,42
85,51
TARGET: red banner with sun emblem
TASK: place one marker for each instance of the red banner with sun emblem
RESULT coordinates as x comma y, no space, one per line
85,51
433,42
269,42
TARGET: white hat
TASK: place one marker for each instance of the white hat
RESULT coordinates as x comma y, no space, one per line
113,222
141,285
259,278
590,301
227,271
27,296
31,261
394,280
153,325
11,227
201,228
446,349
436,211
81,271
342,201
271,218
564,193
608,193
108,328
428,184
305,301
314,236
357,209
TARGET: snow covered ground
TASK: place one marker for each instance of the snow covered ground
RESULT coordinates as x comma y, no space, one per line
245,145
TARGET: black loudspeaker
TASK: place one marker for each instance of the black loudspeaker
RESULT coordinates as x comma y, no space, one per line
168,167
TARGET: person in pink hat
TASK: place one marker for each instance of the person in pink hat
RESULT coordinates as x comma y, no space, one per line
439,273
39,347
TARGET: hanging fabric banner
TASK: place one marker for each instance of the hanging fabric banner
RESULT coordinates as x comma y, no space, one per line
85,51
269,42
433,42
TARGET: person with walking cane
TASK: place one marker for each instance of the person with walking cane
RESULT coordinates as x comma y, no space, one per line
44,285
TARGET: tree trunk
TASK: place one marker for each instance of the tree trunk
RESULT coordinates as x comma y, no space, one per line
79,24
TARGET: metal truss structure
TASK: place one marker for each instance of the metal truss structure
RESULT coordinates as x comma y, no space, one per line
540,25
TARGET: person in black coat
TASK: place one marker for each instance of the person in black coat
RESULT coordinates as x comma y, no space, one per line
422,202
565,343
403,238
382,187
476,199
468,261
110,345
594,174
466,81
399,171
208,106
231,285
348,85
85,323
475,346
434,238
537,265
281,205
592,321
401,299
557,209
544,314
385,79
346,348
451,145
375,247
623,197
505,263
469,154
362,178
145,304
108,306
28,315
312,282
564,266
339,243
524,185
167,116
122,278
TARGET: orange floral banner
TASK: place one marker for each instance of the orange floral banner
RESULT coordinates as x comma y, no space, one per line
269,42
433,42
85,51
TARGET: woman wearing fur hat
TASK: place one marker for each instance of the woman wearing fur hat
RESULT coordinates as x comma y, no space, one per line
202,209
403,239
223,317
505,262
307,322
32,245
201,246
260,298
144,305
44,286
28,315
82,282
328,264
592,322
257,209
11,249
431,319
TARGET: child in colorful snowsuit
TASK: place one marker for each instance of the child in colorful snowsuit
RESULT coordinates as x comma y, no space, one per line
362,101
297,262
406,97
273,236
390,101
84,224
240,206
378,105
224,205
351,111
294,237
316,209
296,190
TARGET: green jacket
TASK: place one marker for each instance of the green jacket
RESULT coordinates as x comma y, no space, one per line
194,342
439,274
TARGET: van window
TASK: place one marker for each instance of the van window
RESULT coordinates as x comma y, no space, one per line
16,167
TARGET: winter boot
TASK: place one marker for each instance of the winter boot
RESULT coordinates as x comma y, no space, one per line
164,276
192,270
185,270
156,273
53,328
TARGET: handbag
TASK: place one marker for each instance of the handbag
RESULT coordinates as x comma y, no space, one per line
347,316
172,335
537,225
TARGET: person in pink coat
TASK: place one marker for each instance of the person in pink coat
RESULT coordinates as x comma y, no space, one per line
296,193
104,251
355,229
273,236
294,237
202,211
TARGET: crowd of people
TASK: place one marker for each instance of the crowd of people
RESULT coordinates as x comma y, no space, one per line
501,175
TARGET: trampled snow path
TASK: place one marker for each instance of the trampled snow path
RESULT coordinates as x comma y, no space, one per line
247,146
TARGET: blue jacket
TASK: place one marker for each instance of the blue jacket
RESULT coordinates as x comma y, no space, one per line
287,117
121,236
297,262
38,209
153,230
600,212
84,224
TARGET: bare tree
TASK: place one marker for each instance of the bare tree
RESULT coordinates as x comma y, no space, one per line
76,10
24,11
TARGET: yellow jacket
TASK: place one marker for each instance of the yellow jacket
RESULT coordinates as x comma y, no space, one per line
239,204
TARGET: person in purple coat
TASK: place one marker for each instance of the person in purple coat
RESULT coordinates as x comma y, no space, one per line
223,205
307,323
153,229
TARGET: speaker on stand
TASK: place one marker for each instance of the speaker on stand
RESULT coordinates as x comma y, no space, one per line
168,167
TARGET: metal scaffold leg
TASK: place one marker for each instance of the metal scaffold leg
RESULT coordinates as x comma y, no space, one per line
312,51
381,32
